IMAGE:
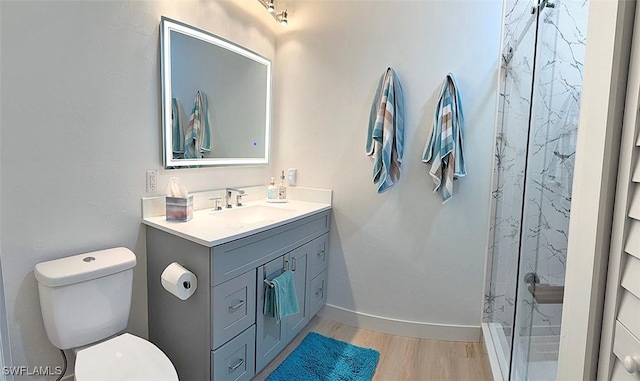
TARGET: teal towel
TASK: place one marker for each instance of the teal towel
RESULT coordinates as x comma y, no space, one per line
269,297
281,299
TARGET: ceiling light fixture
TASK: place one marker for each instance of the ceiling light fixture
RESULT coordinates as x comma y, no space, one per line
281,17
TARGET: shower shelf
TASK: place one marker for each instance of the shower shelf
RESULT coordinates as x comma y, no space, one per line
546,293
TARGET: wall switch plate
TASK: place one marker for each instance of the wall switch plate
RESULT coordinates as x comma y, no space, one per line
292,176
152,180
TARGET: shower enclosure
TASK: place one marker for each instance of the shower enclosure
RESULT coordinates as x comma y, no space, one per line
539,103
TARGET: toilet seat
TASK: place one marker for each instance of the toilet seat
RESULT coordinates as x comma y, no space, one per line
125,357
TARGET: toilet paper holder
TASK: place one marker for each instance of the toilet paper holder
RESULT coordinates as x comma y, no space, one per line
179,281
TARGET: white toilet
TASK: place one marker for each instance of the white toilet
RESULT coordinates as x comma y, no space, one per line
86,299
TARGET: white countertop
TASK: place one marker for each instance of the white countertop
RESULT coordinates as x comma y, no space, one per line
211,228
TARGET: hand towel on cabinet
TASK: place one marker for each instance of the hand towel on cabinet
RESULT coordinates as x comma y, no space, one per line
281,299
385,135
444,149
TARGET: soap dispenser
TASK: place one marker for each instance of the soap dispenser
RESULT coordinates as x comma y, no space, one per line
282,189
272,190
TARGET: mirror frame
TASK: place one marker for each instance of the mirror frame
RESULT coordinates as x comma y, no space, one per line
166,27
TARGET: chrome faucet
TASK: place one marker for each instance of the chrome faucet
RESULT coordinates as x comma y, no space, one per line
227,197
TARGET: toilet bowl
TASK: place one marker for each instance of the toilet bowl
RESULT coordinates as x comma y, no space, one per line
125,357
85,300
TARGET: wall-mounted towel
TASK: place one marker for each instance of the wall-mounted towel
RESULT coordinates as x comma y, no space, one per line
197,140
444,149
281,300
385,136
177,128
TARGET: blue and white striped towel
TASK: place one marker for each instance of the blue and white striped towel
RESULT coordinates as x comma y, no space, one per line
197,139
385,137
444,149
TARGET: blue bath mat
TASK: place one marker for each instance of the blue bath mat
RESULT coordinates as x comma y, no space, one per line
321,358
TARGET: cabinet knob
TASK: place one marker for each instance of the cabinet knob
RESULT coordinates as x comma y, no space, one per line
631,363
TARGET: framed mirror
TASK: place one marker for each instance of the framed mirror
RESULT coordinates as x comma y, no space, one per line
216,100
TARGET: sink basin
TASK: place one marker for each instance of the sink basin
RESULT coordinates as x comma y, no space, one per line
253,214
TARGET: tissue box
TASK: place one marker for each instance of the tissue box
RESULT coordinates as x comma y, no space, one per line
179,208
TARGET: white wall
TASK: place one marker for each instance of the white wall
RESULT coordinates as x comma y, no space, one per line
80,125
400,255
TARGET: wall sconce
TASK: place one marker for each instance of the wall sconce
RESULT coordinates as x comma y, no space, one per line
281,17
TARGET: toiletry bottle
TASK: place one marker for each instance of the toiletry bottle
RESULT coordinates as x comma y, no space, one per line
272,190
282,189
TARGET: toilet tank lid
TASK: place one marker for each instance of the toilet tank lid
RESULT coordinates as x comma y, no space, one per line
83,267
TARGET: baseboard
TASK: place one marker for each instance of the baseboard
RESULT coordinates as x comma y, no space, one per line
445,332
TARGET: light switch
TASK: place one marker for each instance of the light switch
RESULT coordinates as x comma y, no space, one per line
292,176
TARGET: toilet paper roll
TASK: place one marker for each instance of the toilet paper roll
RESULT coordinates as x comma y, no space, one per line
179,281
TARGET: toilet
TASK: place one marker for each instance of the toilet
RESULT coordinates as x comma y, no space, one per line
85,301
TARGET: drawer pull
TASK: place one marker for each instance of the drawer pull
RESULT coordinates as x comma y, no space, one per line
318,292
240,304
320,253
631,363
234,367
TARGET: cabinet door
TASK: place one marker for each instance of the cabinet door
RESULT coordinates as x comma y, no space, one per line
270,336
298,264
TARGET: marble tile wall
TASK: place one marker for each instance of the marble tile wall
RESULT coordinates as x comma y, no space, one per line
556,108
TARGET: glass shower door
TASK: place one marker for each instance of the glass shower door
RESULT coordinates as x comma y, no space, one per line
514,111
557,87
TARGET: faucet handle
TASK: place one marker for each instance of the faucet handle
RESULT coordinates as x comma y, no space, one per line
239,198
217,203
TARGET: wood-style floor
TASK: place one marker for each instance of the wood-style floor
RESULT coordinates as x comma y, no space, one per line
402,358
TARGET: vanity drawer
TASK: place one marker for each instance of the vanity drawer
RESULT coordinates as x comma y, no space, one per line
236,257
234,308
319,255
317,295
235,360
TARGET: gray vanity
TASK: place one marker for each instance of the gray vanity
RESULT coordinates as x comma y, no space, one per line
220,332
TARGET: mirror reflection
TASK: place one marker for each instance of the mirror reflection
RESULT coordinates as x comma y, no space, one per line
216,100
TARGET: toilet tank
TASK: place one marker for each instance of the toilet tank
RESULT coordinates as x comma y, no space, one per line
86,298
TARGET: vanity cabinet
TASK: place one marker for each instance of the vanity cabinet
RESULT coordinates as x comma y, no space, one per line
220,332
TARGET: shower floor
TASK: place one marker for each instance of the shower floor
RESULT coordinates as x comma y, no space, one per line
542,360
